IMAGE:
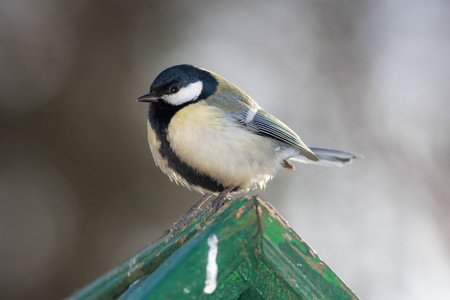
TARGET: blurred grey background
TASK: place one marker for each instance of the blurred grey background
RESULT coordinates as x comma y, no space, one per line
80,193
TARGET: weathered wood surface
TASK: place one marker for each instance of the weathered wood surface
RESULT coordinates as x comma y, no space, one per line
258,257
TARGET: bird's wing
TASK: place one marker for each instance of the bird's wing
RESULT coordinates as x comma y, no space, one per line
247,113
264,123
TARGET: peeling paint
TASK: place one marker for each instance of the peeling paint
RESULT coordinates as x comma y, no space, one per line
240,211
286,236
132,266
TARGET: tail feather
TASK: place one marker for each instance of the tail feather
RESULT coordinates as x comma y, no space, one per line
328,157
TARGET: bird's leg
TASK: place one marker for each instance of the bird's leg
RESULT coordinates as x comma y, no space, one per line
191,213
220,200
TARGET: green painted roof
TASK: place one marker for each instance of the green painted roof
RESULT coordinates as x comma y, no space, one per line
250,253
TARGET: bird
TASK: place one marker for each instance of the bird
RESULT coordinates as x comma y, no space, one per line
208,135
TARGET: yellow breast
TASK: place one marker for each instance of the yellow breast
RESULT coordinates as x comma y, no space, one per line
209,141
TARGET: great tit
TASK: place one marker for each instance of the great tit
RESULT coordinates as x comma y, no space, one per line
208,135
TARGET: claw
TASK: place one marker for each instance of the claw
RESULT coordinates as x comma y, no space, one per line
191,214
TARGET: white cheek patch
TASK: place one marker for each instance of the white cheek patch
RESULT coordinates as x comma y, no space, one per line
186,94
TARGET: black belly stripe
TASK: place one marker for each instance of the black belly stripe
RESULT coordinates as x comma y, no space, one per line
159,116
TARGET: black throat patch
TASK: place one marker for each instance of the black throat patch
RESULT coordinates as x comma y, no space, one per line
159,116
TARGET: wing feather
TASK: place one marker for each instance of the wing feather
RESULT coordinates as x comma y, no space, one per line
266,124
238,105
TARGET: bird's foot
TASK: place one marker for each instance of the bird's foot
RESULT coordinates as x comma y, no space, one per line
191,214
220,201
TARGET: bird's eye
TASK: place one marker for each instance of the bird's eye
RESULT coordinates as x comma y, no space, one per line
174,89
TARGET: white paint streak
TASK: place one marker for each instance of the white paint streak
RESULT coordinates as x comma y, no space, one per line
132,266
211,265
134,283
186,94
250,115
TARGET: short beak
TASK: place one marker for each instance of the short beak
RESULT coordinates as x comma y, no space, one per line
147,98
